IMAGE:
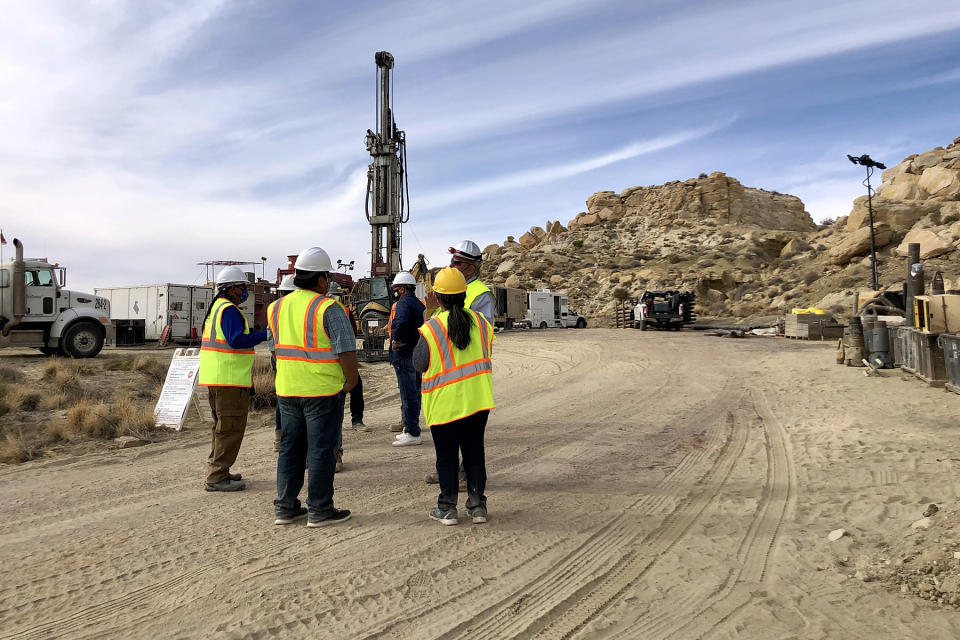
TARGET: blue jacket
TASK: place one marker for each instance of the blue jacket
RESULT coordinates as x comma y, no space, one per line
407,319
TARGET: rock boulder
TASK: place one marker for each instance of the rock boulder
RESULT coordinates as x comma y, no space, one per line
931,245
858,242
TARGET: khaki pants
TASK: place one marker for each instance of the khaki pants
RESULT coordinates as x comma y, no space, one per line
230,406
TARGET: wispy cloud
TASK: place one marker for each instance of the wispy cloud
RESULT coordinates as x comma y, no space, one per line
533,177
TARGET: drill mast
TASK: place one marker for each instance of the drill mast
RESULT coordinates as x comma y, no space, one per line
386,179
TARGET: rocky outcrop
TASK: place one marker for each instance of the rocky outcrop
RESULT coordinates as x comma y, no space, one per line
744,251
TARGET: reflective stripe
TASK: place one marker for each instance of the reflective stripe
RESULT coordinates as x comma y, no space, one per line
466,371
310,339
299,353
437,329
482,323
276,320
212,343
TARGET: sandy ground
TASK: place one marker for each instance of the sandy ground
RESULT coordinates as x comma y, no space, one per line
642,485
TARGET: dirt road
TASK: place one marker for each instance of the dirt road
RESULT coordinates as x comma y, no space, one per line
642,485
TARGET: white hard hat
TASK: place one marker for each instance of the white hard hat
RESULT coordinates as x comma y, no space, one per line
467,249
230,276
287,283
404,278
313,259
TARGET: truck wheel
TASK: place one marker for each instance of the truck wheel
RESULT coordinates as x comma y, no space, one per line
581,324
82,340
543,325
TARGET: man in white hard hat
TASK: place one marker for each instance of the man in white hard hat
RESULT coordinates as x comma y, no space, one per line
226,369
316,368
406,318
465,257
285,287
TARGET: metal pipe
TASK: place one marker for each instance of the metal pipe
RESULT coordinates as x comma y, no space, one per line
873,247
19,289
914,280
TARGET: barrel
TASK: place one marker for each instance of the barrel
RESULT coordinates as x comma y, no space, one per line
856,332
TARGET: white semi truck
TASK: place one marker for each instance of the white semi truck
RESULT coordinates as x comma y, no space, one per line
36,311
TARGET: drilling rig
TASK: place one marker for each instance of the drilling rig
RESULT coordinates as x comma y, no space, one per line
387,207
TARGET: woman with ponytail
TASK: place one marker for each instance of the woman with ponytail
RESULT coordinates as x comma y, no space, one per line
453,355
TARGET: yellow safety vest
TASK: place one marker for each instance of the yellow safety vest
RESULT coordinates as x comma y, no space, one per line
220,364
307,367
475,289
457,383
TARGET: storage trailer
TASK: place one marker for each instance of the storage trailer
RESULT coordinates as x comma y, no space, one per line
182,306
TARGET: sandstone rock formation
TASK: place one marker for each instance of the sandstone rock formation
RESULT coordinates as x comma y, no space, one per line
745,251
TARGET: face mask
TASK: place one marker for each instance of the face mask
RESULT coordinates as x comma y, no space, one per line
244,295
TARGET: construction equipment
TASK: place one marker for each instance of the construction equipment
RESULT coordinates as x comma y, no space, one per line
387,208
36,311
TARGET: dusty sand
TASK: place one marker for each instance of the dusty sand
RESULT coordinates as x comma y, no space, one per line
642,485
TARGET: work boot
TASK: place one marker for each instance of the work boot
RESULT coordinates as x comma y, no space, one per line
479,515
236,477
359,426
227,484
397,427
339,466
277,436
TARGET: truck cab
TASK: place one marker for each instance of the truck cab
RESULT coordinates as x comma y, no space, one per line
37,311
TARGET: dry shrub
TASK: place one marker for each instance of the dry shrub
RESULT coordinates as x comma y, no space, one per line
9,374
119,364
24,397
64,374
264,392
55,400
152,368
17,447
810,277
134,418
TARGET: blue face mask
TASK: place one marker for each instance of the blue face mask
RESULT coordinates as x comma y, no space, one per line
243,295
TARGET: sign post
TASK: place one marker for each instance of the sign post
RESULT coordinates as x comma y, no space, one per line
178,388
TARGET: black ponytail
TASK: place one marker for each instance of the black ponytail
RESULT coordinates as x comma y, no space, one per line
221,293
459,321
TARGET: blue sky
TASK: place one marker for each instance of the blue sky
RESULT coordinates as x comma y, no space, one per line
144,137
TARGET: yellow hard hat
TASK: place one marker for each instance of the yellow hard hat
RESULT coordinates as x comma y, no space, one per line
449,281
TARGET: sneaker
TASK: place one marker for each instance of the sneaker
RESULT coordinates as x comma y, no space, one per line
236,477
400,435
329,517
479,515
290,518
446,517
407,440
359,426
225,485
432,478
337,468
397,427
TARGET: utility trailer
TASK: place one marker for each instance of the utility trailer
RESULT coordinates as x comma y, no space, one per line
511,306
664,310
181,306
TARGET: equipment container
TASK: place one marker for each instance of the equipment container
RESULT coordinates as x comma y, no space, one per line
924,358
950,344
182,306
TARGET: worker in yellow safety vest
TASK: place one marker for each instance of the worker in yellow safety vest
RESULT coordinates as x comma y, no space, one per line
453,355
226,369
316,367
465,257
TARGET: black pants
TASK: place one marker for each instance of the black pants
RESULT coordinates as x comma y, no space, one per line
356,401
466,436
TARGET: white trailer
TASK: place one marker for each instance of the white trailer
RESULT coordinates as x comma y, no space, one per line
549,309
182,306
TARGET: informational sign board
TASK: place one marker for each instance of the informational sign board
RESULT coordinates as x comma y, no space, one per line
178,388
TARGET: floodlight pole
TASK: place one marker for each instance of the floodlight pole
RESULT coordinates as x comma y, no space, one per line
873,245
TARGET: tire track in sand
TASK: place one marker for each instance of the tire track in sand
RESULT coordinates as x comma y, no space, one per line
573,590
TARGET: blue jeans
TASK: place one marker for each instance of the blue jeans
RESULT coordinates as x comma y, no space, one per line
311,428
408,381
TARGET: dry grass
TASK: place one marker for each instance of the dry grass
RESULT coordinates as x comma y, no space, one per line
9,374
23,397
264,392
17,447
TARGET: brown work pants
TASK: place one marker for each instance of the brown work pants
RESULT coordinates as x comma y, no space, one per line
230,406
